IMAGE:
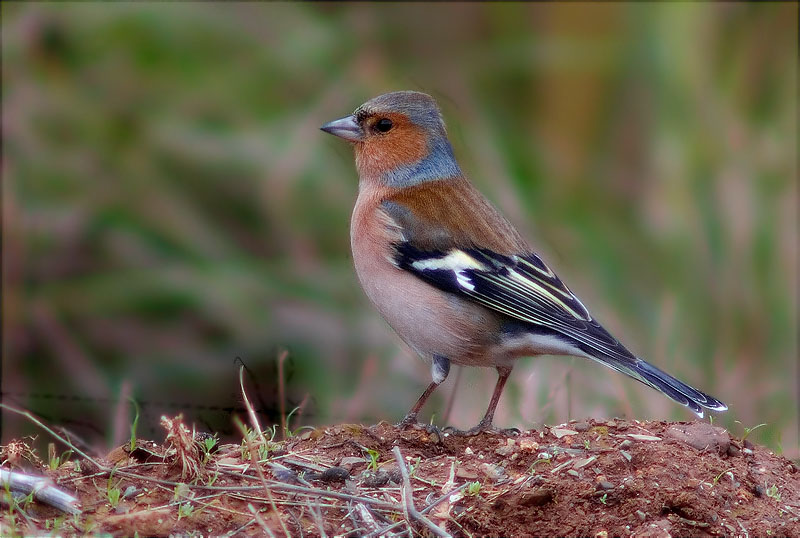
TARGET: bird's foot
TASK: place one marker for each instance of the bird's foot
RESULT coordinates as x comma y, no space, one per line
410,422
482,427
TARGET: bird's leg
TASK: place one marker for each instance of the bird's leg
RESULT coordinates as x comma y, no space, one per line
485,425
411,417
439,370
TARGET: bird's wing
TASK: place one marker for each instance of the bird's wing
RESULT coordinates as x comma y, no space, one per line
519,286
525,289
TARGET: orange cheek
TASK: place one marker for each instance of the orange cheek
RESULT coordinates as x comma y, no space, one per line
381,154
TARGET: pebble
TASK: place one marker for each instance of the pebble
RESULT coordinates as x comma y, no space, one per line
492,472
376,480
395,475
536,497
505,450
562,432
350,461
581,426
641,515
334,474
468,474
285,475
701,436
605,484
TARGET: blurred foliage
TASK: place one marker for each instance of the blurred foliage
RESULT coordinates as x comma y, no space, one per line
169,203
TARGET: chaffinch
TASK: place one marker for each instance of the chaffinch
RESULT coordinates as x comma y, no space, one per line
449,273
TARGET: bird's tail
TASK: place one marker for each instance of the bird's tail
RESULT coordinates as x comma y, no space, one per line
679,391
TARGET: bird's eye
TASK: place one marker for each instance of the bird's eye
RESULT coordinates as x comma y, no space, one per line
383,125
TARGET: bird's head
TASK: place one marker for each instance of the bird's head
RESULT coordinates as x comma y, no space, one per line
399,139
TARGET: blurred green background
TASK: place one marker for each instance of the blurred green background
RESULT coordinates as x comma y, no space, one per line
169,204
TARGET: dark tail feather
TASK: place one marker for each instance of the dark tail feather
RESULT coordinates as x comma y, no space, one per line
677,390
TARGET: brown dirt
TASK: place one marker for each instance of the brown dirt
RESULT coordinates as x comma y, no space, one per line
614,478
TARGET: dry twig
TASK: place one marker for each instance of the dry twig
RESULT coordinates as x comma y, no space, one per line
408,498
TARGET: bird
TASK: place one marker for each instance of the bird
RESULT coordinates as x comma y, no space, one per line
453,278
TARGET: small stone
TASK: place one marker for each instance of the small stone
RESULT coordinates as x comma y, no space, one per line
748,444
350,461
562,432
376,480
285,475
536,497
492,472
573,472
701,436
605,484
504,450
581,463
641,515
581,426
528,445
641,437
468,474
733,451
396,476
601,534
627,443
334,474
468,451
611,424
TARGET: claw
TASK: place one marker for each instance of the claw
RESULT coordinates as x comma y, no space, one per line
483,427
410,422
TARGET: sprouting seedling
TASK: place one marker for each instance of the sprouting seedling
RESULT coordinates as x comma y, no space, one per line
134,424
212,479
207,446
55,461
772,492
373,459
185,510
113,493
604,498
544,457
716,479
474,488
748,431
412,468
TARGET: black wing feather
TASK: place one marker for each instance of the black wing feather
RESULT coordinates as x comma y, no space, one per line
525,289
